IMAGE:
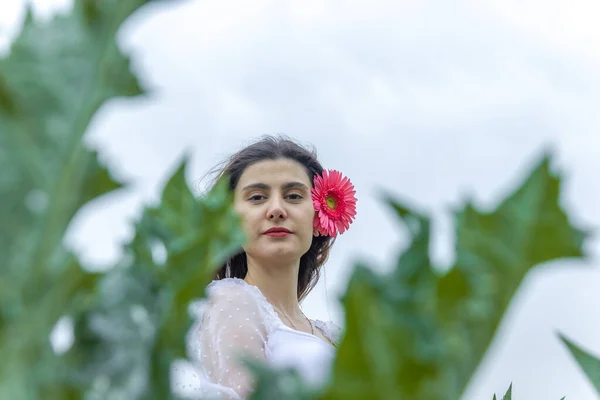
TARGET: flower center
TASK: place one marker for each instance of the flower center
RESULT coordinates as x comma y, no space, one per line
331,203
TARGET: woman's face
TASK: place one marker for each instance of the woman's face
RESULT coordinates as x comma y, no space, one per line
275,194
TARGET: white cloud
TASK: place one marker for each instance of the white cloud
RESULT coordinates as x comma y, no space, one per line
570,27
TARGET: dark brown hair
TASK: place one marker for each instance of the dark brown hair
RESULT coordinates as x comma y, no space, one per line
273,148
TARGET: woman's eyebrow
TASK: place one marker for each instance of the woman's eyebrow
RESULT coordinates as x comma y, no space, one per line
294,185
253,186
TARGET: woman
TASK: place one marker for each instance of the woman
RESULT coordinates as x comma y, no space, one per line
291,211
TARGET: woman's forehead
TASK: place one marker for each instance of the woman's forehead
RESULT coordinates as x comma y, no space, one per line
274,172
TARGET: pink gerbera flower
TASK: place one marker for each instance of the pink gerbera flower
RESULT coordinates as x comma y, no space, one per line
334,202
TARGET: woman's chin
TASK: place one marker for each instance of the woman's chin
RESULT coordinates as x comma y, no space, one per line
284,251
281,254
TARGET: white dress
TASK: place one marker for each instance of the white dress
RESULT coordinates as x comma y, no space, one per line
237,319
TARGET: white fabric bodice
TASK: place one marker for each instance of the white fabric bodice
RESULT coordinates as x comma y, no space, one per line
237,319
307,353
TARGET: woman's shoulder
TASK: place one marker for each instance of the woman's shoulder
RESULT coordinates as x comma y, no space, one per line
233,292
229,287
329,329
235,296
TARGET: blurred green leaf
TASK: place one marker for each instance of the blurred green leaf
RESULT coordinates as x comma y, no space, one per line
58,74
508,395
276,384
138,330
417,333
495,251
588,363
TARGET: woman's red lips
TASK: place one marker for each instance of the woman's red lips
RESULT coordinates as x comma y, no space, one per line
278,232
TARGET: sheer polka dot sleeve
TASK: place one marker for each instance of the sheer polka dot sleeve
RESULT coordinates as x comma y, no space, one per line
233,324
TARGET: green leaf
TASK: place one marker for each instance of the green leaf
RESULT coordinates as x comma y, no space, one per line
381,356
494,252
419,333
588,363
34,368
198,236
145,301
508,394
280,383
57,76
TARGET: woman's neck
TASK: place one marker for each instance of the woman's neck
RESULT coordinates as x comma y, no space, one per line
278,283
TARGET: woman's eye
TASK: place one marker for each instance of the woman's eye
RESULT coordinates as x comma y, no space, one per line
256,197
295,196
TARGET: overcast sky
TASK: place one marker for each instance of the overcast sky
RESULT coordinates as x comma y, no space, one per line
430,100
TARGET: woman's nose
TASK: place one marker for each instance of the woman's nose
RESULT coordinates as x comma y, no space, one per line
276,211
276,214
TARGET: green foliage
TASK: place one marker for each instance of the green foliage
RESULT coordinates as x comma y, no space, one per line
417,333
508,395
275,384
589,364
132,336
413,333
130,323
57,76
